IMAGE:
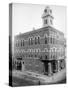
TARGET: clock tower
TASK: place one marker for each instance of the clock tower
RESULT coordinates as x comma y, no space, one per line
47,17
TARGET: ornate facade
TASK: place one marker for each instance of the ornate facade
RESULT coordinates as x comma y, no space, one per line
41,50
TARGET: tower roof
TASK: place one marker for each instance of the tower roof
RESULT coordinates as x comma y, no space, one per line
47,8
47,11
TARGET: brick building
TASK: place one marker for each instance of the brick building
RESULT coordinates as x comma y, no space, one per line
41,50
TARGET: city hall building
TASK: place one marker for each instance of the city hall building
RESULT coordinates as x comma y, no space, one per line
42,50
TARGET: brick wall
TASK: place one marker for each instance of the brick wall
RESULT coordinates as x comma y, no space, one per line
34,64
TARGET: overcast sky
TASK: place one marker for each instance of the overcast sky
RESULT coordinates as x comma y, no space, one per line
27,16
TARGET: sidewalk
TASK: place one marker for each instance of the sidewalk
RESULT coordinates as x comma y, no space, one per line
42,78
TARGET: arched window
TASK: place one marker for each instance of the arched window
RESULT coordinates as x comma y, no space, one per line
45,40
51,40
45,56
38,40
23,42
35,40
31,41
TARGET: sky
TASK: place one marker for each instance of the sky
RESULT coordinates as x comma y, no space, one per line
25,17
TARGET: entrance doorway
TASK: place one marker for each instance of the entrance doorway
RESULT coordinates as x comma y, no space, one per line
46,67
54,66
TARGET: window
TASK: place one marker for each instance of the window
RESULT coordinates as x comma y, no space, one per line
50,11
23,42
31,55
16,44
23,62
51,56
51,40
54,63
45,56
51,21
35,40
35,55
54,40
45,22
45,40
38,40
30,41
45,10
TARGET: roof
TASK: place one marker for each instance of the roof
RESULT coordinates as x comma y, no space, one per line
40,29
